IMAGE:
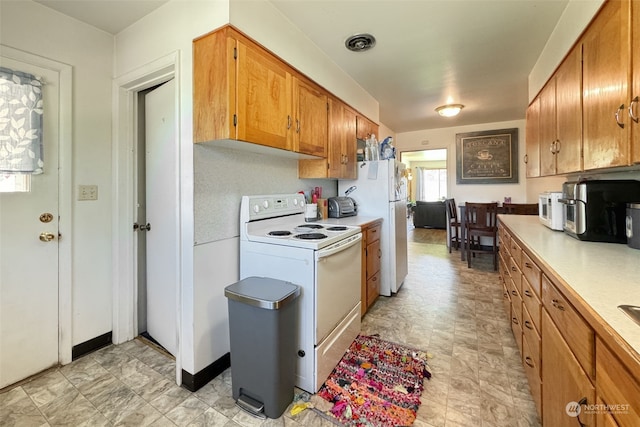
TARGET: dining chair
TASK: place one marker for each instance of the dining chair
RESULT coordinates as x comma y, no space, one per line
481,220
453,224
519,208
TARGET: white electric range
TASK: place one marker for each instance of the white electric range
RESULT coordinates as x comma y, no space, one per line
323,259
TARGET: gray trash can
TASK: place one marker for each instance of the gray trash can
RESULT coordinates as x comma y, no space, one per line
263,330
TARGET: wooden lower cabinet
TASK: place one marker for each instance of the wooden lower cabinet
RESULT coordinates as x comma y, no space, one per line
371,254
563,380
618,387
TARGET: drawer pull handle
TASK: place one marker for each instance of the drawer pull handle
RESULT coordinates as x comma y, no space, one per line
527,293
526,264
513,269
515,320
527,324
556,304
514,293
529,362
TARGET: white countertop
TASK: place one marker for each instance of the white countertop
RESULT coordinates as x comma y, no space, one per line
357,220
604,275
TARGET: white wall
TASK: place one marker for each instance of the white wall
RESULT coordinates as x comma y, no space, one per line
573,21
446,138
38,30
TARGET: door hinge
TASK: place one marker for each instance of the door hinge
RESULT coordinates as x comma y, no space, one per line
235,120
143,227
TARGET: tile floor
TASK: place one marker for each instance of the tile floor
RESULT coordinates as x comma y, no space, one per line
453,312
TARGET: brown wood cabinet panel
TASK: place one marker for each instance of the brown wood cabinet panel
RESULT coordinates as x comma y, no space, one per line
568,147
373,258
506,299
532,337
532,130
264,97
516,328
548,128
373,289
563,379
531,303
371,254
311,118
618,385
605,87
604,418
532,273
635,81
571,325
214,87
365,128
516,275
532,370
516,252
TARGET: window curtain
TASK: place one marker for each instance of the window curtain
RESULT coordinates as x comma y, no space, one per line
20,123
420,184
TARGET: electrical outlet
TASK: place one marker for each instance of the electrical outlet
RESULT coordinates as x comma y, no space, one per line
87,192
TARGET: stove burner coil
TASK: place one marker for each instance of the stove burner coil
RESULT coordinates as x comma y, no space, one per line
337,228
309,227
310,236
279,233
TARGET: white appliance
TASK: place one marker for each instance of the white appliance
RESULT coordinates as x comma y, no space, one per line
323,259
550,209
381,191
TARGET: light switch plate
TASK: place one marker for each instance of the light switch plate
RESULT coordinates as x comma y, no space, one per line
87,192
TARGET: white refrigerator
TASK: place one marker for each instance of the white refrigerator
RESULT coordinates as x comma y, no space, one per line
381,191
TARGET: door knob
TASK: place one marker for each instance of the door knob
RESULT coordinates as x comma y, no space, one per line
47,237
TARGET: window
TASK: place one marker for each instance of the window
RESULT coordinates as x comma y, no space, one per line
20,129
434,184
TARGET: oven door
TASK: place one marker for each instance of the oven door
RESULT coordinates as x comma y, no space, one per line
338,282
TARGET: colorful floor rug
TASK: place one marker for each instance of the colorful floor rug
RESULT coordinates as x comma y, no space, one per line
377,383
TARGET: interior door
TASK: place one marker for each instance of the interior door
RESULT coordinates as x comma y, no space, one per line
161,207
29,265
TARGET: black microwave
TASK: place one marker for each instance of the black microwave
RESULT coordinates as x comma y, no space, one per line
595,210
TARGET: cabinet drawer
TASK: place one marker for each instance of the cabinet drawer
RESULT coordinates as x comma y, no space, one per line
532,370
574,329
532,303
517,331
616,385
515,251
516,308
516,275
505,243
515,298
373,288
506,300
373,233
504,270
532,337
531,272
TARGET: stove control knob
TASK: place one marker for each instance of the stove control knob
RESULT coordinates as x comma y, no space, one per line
265,204
256,208
295,202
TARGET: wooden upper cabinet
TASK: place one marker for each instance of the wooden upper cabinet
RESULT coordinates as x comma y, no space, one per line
365,127
341,150
561,118
635,82
264,97
548,128
242,91
606,62
310,119
568,147
532,156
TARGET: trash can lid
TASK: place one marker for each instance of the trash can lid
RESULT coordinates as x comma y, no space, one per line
263,292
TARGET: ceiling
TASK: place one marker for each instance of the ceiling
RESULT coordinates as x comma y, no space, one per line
428,52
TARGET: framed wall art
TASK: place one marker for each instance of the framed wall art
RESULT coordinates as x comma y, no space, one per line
487,157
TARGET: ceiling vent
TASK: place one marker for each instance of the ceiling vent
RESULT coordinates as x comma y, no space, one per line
360,42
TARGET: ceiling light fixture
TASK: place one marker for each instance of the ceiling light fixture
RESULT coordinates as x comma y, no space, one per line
360,42
449,110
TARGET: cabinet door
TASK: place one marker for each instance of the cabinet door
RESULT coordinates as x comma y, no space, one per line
214,87
350,146
373,258
568,149
311,119
336,138
548,128
532,157
635,81
563,380
605,89
264,97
